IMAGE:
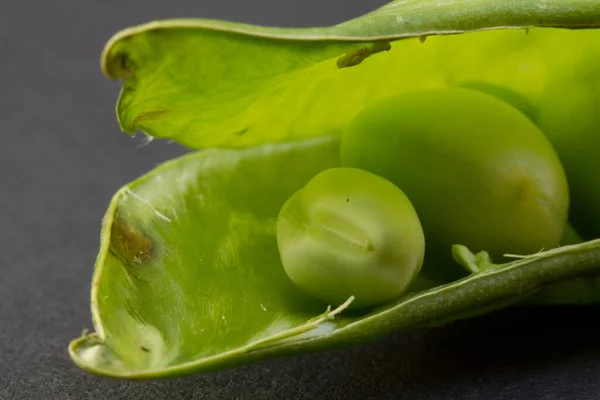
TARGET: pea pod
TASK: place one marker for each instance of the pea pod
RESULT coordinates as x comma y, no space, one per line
265,85
188,277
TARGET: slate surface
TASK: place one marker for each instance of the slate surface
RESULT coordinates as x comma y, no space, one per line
63,156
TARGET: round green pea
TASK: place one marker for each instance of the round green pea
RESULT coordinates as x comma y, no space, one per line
477,170
348,232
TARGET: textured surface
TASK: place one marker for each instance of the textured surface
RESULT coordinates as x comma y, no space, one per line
63,157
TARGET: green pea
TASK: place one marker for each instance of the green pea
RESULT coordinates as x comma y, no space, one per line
570,117
347,233
478,172
520,102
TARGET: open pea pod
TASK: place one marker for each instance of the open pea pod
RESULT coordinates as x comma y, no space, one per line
188,277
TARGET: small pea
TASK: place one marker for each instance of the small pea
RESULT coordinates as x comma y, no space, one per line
349,232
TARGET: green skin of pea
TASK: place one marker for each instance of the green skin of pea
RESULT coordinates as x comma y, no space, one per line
347,233
529,109
569,115
478,172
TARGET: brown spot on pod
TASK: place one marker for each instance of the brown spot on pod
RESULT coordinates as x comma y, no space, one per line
150,115
120,66
129,244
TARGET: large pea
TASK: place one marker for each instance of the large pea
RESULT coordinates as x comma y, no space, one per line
347,233
569,114
478,172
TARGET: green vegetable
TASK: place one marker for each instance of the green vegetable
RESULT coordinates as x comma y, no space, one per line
210,291
478,172
205,83
570,117
189,278
350,233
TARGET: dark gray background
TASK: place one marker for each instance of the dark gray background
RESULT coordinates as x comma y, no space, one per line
62,157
